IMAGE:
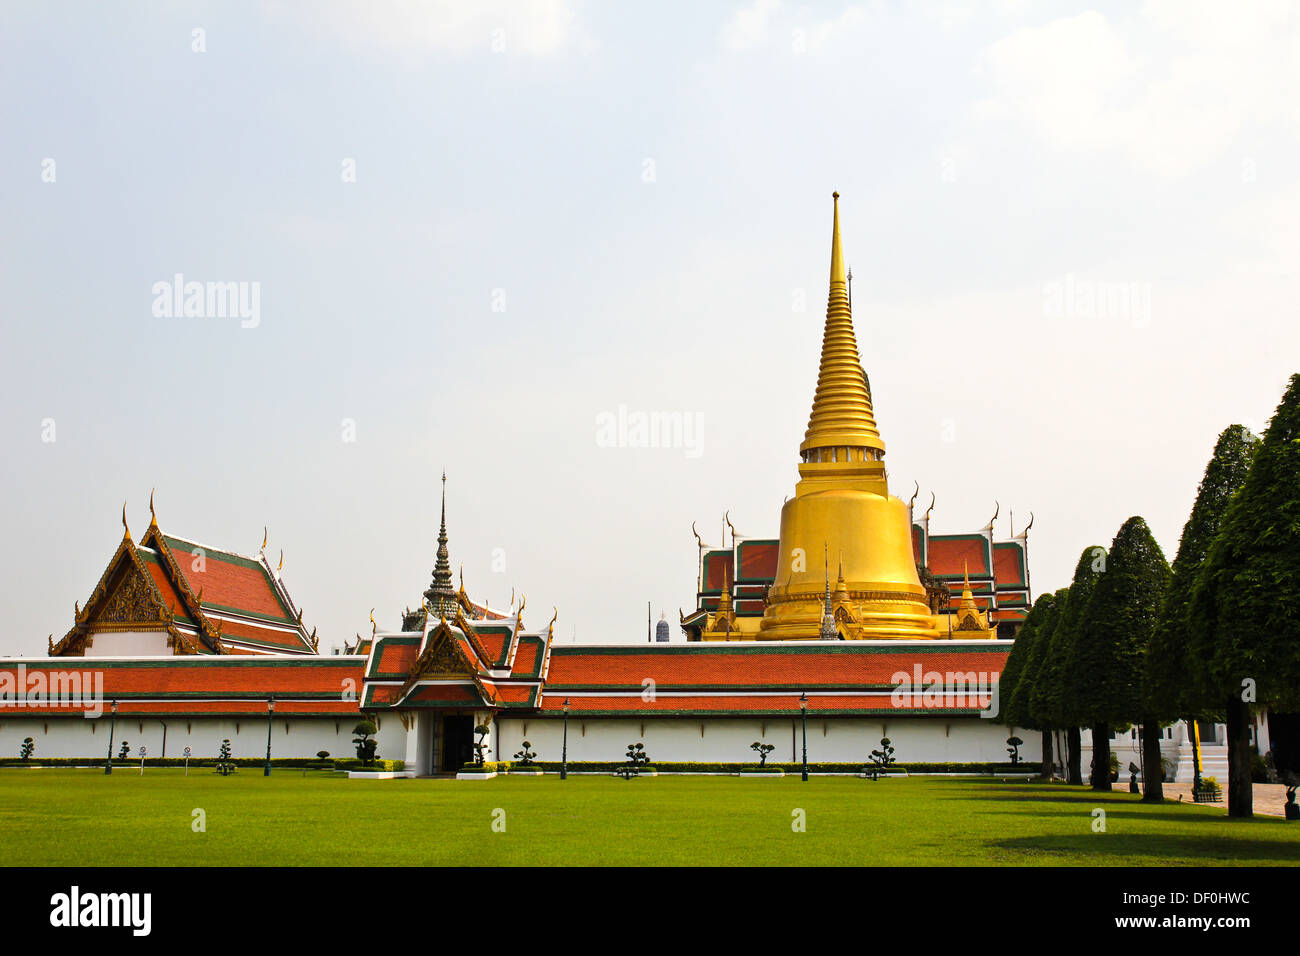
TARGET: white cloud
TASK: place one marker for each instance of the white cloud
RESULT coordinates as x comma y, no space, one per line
748,28
769,23
410,28
1170,89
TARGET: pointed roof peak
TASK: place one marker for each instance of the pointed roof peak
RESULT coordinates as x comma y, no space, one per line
837,255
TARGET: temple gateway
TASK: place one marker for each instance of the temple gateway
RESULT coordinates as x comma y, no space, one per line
853,624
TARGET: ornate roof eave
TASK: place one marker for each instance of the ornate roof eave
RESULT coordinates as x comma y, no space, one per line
209,629
126,551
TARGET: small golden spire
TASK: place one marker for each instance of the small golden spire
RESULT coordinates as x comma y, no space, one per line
153,517
264,537
125,528
280,566
374,628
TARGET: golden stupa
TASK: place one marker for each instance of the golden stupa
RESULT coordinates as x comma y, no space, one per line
842,510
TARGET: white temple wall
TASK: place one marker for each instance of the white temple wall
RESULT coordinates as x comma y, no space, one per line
290,737
727,740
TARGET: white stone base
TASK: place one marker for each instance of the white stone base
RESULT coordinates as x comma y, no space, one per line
380,774
526,773
745,774
463,775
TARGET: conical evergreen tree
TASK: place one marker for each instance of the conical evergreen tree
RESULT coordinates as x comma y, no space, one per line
1105,660
1018,672
1171,677
1053,699
1012,681
1245,631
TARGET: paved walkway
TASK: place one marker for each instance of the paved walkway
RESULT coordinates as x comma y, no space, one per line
1269,798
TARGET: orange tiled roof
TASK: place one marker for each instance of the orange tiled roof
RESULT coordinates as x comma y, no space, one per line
229,581
753,703
755,666
201,685
951,555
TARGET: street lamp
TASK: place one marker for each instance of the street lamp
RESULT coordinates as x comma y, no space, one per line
564,751
108,767
270,715
803,710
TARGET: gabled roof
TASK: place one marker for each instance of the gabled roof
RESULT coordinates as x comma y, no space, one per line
134,591
457,663
241,595
208,600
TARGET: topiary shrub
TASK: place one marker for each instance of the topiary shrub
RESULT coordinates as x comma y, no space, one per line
881,760
365,742
637,760
28,748
225,766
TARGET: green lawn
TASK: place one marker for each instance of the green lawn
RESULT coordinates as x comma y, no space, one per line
82,817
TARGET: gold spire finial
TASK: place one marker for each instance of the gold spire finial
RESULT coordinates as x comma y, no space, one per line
842,416
837,256
280,566
264,537
125,528
374,628
153,517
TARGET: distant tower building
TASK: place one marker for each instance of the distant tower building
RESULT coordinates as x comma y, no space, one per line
661,630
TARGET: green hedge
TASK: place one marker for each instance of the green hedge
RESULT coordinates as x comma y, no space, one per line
283,762
378,766
490,766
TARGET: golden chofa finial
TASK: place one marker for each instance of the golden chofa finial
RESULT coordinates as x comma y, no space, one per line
264,537
153,516
929,509
915,492
997,510
374,628
280,566
125,528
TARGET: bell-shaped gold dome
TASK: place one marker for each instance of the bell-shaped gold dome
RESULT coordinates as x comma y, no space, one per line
842,506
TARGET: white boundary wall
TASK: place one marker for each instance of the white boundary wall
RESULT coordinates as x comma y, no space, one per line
728,739
290,736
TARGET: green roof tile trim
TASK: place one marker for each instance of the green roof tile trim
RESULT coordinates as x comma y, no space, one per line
718,690
1020,560
102,663
537,656
750,714
372,666
500,659
806,647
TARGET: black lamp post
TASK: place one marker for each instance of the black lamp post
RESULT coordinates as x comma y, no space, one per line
564,751
803,710
112,727
270,715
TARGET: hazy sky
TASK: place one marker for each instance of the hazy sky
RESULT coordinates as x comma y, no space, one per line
475,229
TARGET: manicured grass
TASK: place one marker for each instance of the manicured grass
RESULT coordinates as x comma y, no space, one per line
82,817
